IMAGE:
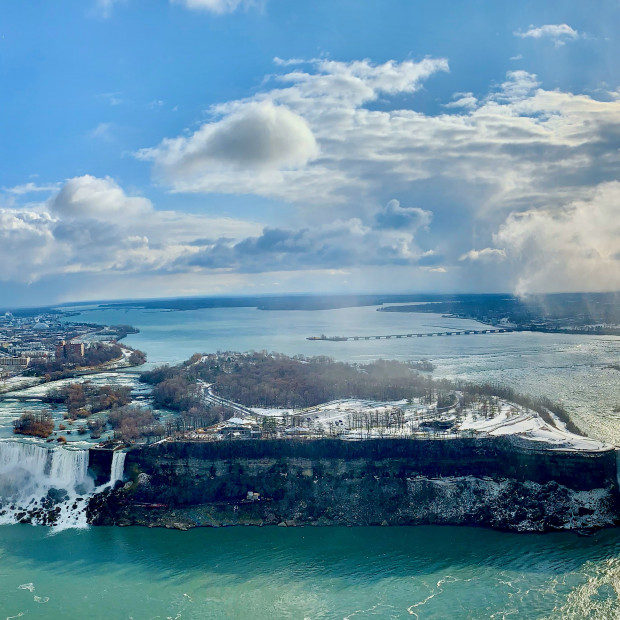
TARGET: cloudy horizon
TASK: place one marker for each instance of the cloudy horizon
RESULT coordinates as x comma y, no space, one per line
219,147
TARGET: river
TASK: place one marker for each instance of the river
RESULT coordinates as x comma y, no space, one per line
571,369
306,573
335,573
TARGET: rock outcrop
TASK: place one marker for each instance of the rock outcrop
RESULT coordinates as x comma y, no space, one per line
503,483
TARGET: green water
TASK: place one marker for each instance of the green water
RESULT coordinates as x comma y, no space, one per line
314,573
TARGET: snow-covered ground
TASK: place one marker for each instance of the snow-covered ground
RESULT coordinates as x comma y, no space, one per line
360,419
17,383
528,424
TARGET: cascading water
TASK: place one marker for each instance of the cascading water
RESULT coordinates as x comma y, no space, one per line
43,485
68,467
118,467
46,485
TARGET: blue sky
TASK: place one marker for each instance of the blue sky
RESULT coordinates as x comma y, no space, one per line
194,147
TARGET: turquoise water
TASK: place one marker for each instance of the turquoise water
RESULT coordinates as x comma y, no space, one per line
313,573
335,573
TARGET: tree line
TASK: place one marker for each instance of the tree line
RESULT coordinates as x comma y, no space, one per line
275,380
261,379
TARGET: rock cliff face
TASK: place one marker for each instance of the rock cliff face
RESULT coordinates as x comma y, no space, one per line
501,483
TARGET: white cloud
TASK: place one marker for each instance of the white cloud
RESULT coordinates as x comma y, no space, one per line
260,137
486,254
521,149
270,144
518,85
558,33
113,99
463,100
218,7
91,196
289,62
104,8
25,242
387,239
521,146
523,173
91,226
103,131
396,217
30,187
573,248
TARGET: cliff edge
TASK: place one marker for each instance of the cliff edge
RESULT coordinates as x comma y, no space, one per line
505,483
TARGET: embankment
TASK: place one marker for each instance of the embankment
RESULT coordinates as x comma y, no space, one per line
505,483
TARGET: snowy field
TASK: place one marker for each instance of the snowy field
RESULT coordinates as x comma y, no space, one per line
360,419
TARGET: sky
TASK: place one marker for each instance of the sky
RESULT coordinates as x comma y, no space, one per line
160,148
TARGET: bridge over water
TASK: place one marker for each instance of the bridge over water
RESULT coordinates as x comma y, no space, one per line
461,332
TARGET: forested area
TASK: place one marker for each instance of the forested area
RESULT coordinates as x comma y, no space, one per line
275,380
84,399
34,423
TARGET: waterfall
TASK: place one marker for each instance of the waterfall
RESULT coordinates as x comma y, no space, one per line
41,484
28,457
118,467
68,467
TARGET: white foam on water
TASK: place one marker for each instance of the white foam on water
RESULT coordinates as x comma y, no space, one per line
598,596
36,478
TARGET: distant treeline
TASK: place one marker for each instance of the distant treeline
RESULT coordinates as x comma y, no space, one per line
583,308
284,302
594,313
